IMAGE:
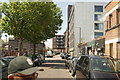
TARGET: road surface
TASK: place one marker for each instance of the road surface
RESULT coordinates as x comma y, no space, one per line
54,69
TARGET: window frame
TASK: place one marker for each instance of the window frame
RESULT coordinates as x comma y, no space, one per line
97,8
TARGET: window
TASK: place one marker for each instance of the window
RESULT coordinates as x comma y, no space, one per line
97,17
102,64
111,50
118,50
81,61
98,34
98,26
110,20
118,16
98,8
86,63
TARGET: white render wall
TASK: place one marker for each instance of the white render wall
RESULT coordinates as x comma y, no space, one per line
84,20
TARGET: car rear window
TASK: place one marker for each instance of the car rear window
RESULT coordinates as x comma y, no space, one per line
101,64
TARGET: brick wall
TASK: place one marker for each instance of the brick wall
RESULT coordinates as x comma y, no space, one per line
107,48
112,34
111,5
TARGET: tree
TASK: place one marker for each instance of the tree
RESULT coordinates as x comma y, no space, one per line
31,21
0,19
46,22
14,22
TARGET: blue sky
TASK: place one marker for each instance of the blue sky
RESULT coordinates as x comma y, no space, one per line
63,7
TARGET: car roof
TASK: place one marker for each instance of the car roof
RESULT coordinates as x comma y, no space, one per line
97,56
9,57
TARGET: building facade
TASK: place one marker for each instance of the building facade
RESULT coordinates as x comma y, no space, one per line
27,46
58,42
70,29
84,24
112,39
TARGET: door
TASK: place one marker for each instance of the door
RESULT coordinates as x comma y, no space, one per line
118,50
79,67
111,50
85,68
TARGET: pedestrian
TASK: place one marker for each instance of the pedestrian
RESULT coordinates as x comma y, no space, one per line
21,68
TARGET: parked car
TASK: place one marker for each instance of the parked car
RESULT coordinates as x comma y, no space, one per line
68,61
95,67
72,65
49,54
116,63
37,59
3,70
64,55
7,59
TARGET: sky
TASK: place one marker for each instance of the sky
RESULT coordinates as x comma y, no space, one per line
63,6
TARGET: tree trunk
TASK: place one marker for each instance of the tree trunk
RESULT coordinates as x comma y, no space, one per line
43,50
34,50
20,46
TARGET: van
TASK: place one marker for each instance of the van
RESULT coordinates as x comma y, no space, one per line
49,54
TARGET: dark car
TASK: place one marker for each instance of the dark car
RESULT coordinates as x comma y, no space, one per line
3,70
7,59
72,66
37,59
91,67
116,63
68,61
64,55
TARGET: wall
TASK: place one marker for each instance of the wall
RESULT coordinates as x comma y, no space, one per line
84,22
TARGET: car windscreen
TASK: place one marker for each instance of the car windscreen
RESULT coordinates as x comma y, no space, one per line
7,60
2,63
116,64
102,64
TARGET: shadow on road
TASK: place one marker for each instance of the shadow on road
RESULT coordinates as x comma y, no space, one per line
55,64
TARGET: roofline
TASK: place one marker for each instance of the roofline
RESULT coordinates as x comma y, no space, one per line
108,3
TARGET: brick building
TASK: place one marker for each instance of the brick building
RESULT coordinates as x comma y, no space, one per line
112,38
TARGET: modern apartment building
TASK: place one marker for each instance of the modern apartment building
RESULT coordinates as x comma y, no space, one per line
84,24
112,37
58,42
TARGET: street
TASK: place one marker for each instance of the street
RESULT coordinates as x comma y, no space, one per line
54,68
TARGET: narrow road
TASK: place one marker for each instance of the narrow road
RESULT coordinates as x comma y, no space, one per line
54,69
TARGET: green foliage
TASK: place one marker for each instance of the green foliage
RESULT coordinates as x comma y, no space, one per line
31,21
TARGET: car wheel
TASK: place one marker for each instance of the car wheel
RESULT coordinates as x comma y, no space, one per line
70,69
40,63
75,78
73,73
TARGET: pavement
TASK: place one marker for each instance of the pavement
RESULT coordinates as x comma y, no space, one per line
54,69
